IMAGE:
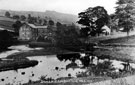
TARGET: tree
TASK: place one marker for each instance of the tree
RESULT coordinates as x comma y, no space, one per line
17,26
113,22
23,18
6,39
94,19
51,22
40,21
7,14
29,16
32,20
16,17
44,22
58,24
67,35
84,32
125,13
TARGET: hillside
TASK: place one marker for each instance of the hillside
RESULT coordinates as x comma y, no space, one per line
56,16
6,23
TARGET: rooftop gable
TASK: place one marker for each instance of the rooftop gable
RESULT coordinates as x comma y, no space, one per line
36,27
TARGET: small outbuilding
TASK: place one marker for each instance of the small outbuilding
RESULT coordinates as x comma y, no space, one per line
106,30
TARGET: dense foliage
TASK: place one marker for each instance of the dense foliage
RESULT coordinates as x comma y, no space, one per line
17,26
67,35
6,39
93,19
125,14
7,14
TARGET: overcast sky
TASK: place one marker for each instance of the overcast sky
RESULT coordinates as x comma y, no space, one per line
64,6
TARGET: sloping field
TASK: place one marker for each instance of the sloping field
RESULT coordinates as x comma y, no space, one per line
122,40
6,23
6,19
111,38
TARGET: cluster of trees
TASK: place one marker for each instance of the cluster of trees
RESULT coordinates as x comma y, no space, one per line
16,27
67,35
31,19
6,39
95,18
39,21
17,17
125,14
7,14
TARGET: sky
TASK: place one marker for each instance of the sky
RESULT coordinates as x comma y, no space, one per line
64,6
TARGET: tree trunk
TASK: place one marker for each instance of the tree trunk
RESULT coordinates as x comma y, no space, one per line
127,35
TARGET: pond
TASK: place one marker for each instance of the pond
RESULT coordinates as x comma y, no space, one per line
48,66
55,66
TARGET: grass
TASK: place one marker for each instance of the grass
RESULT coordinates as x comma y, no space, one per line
6,23
117,53
120,48
6,19
122,40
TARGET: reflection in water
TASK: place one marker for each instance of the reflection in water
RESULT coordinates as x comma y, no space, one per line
57,67
7,53
72,65
98,65
16,49
23,48
49,66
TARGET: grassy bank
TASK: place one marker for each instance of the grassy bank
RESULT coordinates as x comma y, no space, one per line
122,48
129,40
118,53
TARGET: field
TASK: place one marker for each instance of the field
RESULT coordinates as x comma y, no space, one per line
6,23
124,46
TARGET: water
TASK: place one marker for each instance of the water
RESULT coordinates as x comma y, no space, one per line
49,66
23,48
16,49
7,53
46,67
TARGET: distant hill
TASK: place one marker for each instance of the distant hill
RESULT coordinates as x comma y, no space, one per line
56,16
